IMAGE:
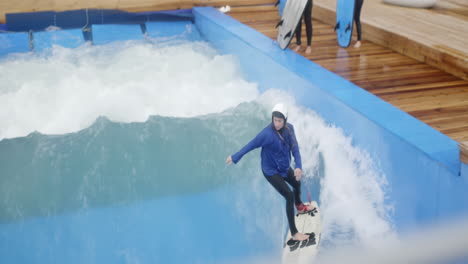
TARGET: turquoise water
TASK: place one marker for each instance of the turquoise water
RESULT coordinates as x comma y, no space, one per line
113,163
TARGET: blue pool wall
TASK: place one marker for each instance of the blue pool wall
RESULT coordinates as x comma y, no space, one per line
84,18
426,181
38,31
165,230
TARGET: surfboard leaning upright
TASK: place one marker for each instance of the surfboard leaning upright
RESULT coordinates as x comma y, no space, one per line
303,251
344,22
292,13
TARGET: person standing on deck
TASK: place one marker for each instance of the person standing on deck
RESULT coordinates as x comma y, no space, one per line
357,20
308,23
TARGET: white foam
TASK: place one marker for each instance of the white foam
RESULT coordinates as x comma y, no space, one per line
126,81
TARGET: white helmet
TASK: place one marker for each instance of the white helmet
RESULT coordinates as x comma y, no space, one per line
282,109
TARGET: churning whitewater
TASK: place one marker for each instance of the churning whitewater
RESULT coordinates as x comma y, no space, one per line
162,103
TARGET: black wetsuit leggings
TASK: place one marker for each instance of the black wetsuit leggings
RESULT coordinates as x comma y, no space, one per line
279,183
357,16
308,23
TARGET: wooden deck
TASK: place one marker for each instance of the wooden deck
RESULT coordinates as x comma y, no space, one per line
26,6
433,96
437,36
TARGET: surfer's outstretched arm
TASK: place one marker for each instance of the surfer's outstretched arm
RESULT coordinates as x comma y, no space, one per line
257,142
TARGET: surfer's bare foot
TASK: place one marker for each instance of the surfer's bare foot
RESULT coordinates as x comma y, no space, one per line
297,49
358,44
300,237
308,50
310,207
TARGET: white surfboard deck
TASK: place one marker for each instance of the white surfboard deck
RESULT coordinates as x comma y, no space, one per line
287,26
304,251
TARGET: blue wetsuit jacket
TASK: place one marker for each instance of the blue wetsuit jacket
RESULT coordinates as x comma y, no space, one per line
276,150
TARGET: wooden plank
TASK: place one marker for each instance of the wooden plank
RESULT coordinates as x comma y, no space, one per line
379,73
441,113
430,101
453,123
260,9
392,82
409,106
11,6
459,137
452,7
449,122
440,93
458,134
418,87
357,74
376,61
